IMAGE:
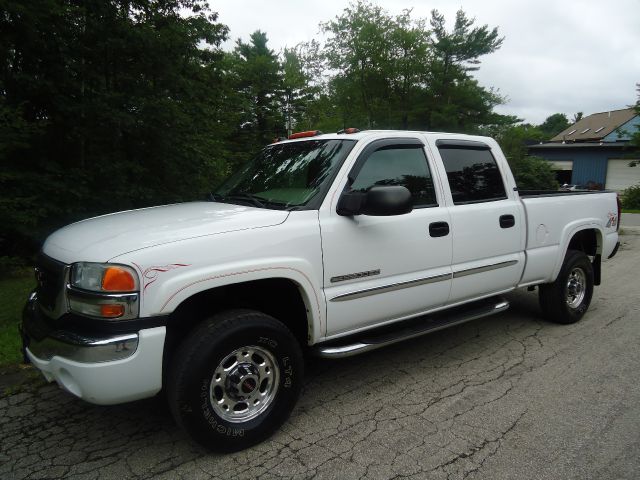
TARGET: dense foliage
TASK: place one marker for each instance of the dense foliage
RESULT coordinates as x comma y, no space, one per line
112,104
631,198
105,106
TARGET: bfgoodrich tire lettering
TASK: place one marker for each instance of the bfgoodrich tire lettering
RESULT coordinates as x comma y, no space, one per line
567,299
235,379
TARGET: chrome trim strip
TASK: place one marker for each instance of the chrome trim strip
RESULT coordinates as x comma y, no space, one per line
485,268
84,349
351,276
391,287
131,301
86,294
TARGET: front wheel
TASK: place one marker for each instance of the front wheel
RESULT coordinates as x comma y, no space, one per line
567,299
235,379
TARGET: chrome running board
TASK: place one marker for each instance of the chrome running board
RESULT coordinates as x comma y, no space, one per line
415,327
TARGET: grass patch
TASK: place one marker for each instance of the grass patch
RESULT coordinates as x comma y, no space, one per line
13,295
630,210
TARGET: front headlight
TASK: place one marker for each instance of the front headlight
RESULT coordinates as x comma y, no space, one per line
103,290
101,277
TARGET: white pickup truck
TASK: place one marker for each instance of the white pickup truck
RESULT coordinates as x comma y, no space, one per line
326,244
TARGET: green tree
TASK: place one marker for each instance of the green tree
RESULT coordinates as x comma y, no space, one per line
531,173
635,137
393,72
105,106
410,51
259,81
553,125
359,48
454,100
302,72
634,142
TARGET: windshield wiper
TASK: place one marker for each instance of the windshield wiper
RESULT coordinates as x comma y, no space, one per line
245,197
215,197
254,200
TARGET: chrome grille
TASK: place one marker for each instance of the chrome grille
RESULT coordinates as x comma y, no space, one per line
51,277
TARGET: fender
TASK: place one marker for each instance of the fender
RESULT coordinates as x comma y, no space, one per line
179,288
171,273
185,283
568,232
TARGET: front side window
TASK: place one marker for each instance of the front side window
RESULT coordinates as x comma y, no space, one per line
398,165
473,175
286,175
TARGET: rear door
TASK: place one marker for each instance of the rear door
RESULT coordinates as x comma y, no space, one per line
379,269
487,220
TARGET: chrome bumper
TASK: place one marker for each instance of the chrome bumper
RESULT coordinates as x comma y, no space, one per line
80,348
84,349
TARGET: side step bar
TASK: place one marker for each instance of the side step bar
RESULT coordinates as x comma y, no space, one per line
415,327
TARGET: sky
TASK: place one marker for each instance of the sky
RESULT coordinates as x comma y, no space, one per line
557,57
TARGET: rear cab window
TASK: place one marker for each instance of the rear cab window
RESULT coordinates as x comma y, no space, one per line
472,172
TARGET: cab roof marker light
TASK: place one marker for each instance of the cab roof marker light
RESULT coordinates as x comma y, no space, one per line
308,133
348,131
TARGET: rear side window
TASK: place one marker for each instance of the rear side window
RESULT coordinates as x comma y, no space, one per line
404,165
473,175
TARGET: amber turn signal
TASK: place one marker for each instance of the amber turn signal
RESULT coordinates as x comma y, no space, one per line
116,279
111,311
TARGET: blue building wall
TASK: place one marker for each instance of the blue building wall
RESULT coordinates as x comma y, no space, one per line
626,130
588,165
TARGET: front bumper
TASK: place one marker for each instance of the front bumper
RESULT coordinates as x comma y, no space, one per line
101,369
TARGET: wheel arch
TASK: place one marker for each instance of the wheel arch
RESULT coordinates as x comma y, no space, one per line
585,238
282,298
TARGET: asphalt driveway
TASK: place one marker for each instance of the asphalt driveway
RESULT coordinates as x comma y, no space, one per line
630,220
507,397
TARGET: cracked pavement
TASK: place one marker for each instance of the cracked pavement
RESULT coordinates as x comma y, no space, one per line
509,396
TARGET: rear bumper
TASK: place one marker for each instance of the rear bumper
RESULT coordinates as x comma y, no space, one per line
104,369
615,250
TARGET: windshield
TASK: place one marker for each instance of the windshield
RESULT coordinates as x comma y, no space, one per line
285,175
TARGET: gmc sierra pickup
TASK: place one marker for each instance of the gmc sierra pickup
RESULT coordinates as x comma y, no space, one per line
326,244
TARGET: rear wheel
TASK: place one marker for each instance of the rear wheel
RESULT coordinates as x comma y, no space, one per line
567,299
235,379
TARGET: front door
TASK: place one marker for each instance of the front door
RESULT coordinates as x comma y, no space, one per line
379,269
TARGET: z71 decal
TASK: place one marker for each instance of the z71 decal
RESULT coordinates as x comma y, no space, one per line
613,220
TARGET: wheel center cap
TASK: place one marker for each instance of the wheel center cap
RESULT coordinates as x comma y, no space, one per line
242,381
248,385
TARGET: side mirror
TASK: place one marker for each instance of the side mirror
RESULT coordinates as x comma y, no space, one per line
378,201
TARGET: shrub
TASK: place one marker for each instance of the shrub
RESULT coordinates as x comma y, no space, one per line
534,173
631,197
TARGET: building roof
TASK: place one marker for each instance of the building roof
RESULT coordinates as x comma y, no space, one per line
594,128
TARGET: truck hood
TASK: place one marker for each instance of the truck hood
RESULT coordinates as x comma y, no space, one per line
102,238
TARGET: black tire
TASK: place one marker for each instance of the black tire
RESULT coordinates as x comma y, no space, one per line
195,368
564,303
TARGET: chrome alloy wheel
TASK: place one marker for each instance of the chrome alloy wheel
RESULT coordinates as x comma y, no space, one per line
576,287
244,384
